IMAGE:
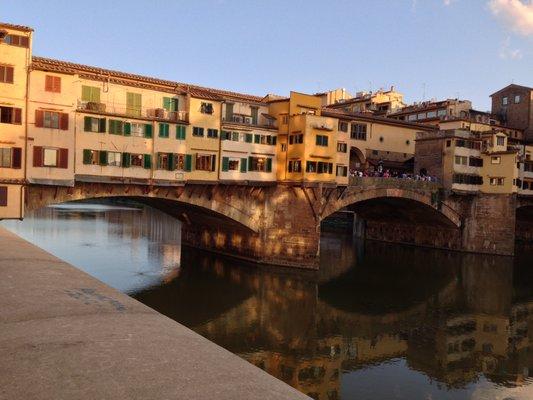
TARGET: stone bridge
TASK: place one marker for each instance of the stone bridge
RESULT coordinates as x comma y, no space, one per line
280,224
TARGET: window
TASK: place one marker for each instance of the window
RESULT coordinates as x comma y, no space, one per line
10,115
358,131
284,119
296,139
17,40
180,132
232,164
235,136
411,117
310,166
475,162
319,167
196,131
500,140
5,157
497,181
206,108
343,126
170,103
255,115
133,104
295,166
50,157
136,129
432,114
448,143
91,157
90,94
229,112
260,164
51,119
182,162
321,140
164,161
421,116
212,133
52,84
342,170
164,130
461,160
517,98
205,162
495,160
284,147
136,160
114,159
6,74
467,179
441,112
116,127
342,147
505,100
91,124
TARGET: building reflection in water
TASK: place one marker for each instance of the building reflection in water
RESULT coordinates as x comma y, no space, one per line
377,321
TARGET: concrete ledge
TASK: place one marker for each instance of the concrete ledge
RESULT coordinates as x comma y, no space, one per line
66,335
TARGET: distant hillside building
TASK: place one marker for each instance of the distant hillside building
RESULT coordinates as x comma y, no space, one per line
377,103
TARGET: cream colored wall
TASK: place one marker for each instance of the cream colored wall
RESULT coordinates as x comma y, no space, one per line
15,202
204,145
14,95
341,158
169,145
313,152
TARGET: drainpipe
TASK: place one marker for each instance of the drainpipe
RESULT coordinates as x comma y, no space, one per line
220,144
27,102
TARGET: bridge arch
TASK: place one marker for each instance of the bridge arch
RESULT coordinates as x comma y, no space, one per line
407,197
231,206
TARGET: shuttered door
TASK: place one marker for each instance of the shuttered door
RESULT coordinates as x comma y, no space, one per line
17,158
103,157
147,158
37,156
63,158
225,164
87,156
188,162
87,124
243,164
148,130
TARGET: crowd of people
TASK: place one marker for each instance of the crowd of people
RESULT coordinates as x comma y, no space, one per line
385,173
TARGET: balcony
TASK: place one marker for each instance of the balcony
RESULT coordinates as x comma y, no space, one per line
322,126
122,110
264,120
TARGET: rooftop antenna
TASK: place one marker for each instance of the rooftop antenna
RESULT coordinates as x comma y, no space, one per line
424,91
370,84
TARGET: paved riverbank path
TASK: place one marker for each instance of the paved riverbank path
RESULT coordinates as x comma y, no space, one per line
66,335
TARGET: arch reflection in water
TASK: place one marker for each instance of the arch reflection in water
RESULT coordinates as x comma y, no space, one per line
377,321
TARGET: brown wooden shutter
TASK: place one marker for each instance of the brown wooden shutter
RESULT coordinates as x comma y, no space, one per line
57,84
9,74
3,196
39,118
17,116
37,156
64,122
25,41
63,158
49,83
17,158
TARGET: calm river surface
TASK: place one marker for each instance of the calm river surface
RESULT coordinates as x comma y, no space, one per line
378,321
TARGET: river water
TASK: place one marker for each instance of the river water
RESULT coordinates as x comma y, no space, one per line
378,321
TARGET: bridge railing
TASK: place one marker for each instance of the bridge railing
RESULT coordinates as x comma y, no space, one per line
393,183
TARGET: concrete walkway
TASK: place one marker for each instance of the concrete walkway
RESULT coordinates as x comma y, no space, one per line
66,335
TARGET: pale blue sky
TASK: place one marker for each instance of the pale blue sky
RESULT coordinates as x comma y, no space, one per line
466,48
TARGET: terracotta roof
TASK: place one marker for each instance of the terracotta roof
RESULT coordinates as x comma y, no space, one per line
328,112
18,27
124,78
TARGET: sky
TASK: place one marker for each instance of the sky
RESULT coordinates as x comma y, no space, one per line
425,48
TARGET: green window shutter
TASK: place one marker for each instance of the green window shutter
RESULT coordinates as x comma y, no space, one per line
86,93
87,156
101,125
188,162
225,163
111,126
224,135
147,158
171,162
147,130
87,124
103,157
249,163
127,129
257,138
249,138
243,164
95,94
318,140
166,103
163,130
269,165
126,160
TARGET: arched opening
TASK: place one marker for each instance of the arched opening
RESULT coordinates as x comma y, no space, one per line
357,159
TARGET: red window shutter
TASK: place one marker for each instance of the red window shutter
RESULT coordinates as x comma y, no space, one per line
25,41
64,122
57,84
39,118
3,196
49,83
17,158
9,74
17,116
63,158
37,156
